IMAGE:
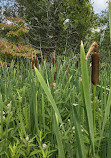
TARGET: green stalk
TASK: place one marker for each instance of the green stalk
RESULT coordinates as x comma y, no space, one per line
49,95
36,113
106,114
109,141
87,97
43,112
79,136
57,117
94,109
61,153
1,111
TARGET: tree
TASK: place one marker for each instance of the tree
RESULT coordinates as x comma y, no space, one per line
101,34
55,24
13,42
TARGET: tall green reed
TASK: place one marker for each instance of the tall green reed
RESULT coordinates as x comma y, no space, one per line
109,142
57,116
87,98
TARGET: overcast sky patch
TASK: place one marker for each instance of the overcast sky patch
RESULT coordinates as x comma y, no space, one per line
99,5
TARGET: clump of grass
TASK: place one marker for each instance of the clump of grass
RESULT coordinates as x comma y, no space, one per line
38,124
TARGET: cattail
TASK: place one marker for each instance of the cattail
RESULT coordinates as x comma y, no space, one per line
55,74
55,71
32,61
35,60
76,64
95,68
53,58
95,63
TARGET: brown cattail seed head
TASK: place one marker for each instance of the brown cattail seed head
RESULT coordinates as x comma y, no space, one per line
35,60
76,64
95,68
32,62
55,74
53,59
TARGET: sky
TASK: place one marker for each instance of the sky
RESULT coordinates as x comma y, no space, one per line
99,5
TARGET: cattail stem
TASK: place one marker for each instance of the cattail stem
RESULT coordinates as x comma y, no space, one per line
94,112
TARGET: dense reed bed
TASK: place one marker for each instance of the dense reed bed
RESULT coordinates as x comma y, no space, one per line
42,116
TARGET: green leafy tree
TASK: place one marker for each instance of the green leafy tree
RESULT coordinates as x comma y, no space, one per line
55,24
101,34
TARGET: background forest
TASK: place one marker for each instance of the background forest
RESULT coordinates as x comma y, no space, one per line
59,25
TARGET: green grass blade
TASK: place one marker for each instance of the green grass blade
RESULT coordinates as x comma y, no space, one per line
79,137
109,142
59,139
57,114
85,79
49,95
1,119
43,112
106,114
36,113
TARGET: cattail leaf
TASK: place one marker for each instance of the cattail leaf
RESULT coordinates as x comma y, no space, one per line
106,114
1,118
109,141
59,138
49,95
57,114
79,137
87,97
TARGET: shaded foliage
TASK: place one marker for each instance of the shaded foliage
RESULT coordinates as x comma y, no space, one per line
101,34
13,42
